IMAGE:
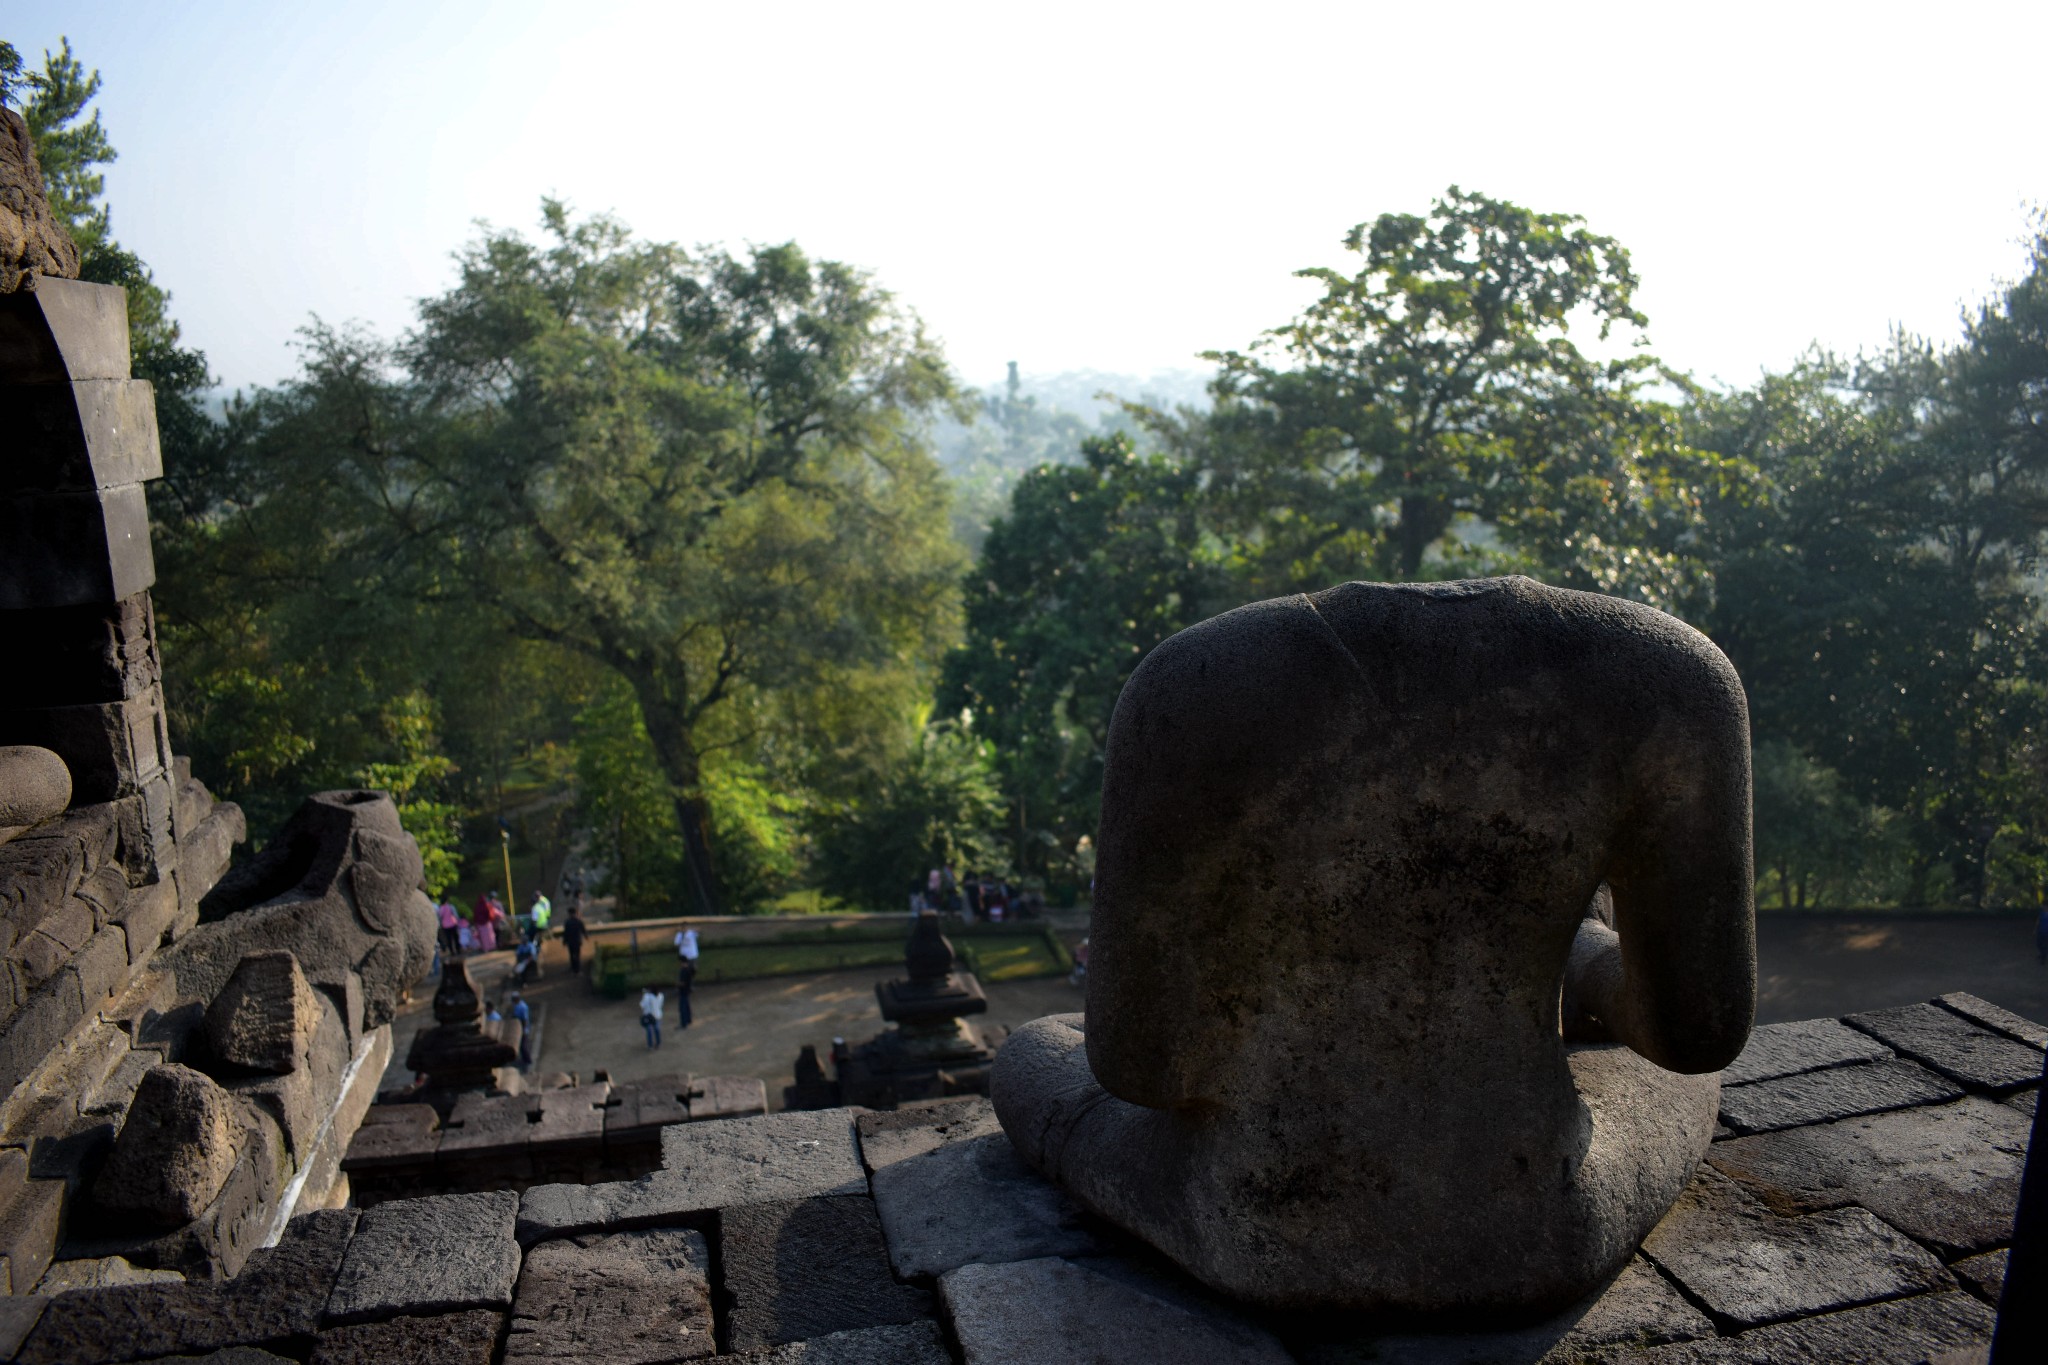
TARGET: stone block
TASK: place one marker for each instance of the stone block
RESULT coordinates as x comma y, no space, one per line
624,1298
65,549
1916,1329
30,1220
146,916
1983,1275
177,1147
1636,1308
301,1100
1750,1266
900,1134
265,1017
34,783
1981,1011
570,1118
18,1316
808,1267
1837,1093
916,1343
1954,1046
638,1110
2027,1101
148,851
708,1166
394,1135
727,1097
974,1200
93,652
44,950
90,433
432,1255
38,874
1052,1312
1809,1045
469,1338
102,967
276,1298
1947,1175
64,330
49,1013
111,748
100,1272
500,1125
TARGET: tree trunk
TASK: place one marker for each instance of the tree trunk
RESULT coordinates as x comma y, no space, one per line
676,750
1423,523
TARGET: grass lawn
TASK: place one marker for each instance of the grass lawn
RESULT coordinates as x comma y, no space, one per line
993,953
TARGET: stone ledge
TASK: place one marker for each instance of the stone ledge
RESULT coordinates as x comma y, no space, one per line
1842,1239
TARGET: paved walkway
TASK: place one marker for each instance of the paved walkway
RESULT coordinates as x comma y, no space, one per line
1809,967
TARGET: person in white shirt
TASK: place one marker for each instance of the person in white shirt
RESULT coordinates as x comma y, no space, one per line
650,1016
686,944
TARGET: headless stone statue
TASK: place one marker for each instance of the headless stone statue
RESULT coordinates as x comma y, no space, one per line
1347,850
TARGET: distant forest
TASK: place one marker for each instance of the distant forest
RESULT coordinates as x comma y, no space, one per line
704,568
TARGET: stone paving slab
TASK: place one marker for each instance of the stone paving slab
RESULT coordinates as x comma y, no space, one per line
899,1134
974,1200
1998,1020
1808,1045
624,1298
807,1268
1750,1266
706,1167
1837,1093
433,1255
1954,1046
917,1343
1983,1275
469,1338
1053,1312
1948,1175
278,1295
1638,1307
1912,1329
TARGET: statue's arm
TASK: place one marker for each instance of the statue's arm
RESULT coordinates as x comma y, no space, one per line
1675,979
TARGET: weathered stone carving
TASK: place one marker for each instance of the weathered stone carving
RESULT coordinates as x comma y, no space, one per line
456,1055
265,1016
34,786
1348,844
32,241
176,1150
338,887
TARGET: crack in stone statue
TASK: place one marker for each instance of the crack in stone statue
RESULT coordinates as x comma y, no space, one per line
1347,851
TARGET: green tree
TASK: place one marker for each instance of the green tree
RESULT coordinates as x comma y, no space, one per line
1432,407
702,474
1096,563
938,806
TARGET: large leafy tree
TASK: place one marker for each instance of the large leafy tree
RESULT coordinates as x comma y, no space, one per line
1876,591
1433,407
700,473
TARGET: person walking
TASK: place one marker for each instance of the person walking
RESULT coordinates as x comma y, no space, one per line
686,976
650,1016
525,1017
450,918
573,934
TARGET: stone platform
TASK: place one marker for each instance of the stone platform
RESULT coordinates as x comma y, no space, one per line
1856,1207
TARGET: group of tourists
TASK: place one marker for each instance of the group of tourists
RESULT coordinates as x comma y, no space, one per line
653,1001
971,897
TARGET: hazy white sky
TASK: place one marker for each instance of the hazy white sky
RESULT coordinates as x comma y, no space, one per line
1115,186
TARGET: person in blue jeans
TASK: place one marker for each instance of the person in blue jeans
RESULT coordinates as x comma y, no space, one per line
650,1016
